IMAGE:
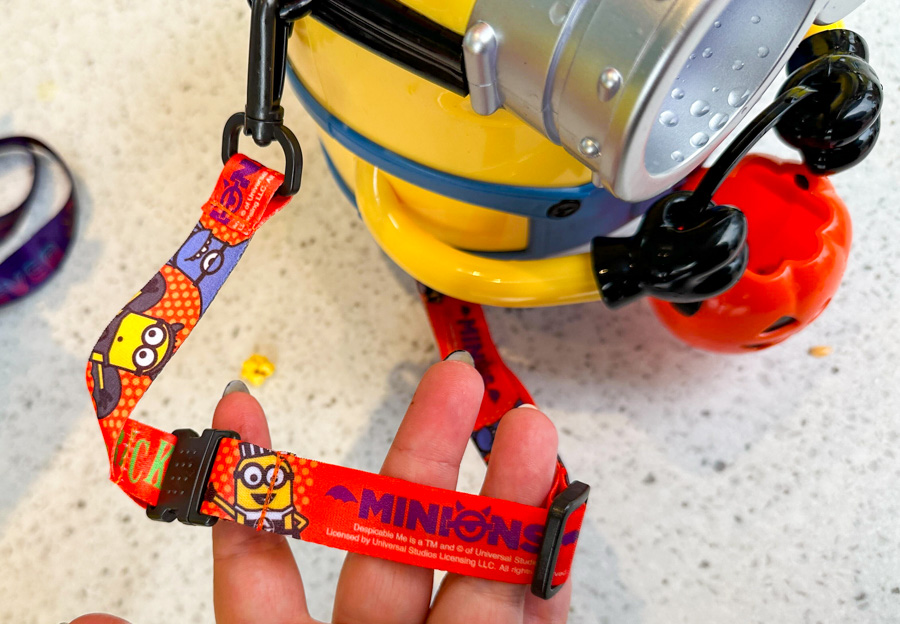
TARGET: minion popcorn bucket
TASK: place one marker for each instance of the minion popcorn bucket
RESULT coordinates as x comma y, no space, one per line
488,143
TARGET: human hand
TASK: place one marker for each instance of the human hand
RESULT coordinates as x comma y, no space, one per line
256,578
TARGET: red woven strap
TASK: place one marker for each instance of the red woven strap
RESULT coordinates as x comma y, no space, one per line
278,492
461,325
153,325
382,516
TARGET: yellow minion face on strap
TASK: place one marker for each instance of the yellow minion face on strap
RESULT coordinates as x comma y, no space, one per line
260,475
258,472
141,344
136,343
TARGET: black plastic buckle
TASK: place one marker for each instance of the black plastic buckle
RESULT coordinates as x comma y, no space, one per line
184,483
563,506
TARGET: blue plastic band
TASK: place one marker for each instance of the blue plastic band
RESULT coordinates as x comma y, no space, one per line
600,213
527,201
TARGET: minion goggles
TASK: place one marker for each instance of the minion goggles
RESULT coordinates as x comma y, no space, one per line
627,88
646,77
626,98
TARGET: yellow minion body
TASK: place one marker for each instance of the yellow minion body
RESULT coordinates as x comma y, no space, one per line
264,493
422,165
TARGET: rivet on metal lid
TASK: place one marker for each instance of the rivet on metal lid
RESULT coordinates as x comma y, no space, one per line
610,82
589,147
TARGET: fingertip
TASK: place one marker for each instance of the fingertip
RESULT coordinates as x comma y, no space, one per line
458,376
523,457
451,384
240,412
433,434
531,425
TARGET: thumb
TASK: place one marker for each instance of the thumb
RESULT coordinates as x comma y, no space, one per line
255,577
239,411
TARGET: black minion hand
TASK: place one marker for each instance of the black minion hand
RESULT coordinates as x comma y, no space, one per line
681,253
838,126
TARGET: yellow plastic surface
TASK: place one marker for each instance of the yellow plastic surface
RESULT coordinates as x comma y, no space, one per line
343,159
508,283
456,223
453,14
462,225
421,120
817,29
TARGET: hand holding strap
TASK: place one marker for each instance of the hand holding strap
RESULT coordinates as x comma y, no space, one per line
389,518
199,479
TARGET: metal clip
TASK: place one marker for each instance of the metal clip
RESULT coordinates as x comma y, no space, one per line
263,116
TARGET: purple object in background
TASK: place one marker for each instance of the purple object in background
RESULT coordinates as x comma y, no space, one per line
41,255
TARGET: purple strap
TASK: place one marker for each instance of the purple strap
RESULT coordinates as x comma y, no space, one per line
41,255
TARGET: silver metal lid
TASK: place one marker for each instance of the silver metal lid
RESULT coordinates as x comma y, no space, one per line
641,91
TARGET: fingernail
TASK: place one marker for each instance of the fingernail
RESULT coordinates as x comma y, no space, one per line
461,355
529,406
236,386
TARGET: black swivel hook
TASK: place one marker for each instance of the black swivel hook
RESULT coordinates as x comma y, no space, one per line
263,116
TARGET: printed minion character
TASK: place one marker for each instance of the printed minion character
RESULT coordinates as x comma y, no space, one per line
260,476
133,342
137,343
204,256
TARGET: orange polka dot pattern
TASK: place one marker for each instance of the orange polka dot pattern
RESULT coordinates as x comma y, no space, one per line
180,304
133,388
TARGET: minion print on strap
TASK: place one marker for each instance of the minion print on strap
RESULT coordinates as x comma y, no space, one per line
200,479
263,493
153,325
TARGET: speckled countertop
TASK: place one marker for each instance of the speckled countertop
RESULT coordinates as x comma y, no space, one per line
761,488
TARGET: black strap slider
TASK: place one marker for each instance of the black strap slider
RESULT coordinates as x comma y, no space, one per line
563,506
184,483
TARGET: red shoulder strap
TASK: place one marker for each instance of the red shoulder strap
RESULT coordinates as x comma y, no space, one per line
199,479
